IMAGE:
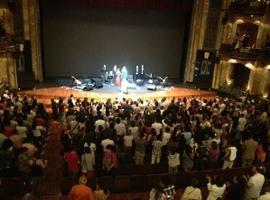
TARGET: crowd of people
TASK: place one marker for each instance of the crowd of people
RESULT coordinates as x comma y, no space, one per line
23,135
187,134
101,136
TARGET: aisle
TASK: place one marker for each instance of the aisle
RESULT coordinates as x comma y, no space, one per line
53,173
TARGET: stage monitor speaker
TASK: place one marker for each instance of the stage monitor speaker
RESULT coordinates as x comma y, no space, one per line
140,82
88,88
152,87
98,82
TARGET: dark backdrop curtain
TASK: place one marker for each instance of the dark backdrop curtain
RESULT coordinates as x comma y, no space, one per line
180,5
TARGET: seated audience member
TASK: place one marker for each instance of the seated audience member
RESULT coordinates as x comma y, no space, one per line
81,191
216,189
100,193
255,182
236,189
192,192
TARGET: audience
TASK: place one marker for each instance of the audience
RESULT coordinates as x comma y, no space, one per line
188,134
81,191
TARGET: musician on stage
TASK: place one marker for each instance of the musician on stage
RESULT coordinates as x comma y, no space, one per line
124,82
118,78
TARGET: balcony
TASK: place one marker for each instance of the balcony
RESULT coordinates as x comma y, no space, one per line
8,44
248,7
227,51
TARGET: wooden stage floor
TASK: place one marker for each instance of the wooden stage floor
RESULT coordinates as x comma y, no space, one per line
45,94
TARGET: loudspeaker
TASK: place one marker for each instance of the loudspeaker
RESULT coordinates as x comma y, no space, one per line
98,82
140,82
88,88
151,87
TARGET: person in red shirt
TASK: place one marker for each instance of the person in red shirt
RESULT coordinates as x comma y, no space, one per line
72,162
40,121
81,191
8,130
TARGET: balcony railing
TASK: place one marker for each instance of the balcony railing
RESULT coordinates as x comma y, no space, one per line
227,51
251,7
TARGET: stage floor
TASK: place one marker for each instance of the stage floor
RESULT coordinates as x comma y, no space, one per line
45,94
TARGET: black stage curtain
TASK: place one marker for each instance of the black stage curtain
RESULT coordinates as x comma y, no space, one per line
178,5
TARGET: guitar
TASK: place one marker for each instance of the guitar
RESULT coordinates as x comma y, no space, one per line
78,82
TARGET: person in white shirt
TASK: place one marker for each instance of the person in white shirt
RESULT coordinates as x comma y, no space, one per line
216,190
120,128
21,129
173,161
100,122
133,129
166,136
255,183
229,158
157,126
128,140
192,192
266,196
106,142
156,151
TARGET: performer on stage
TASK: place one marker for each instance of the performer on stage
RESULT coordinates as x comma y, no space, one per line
124,82
118,78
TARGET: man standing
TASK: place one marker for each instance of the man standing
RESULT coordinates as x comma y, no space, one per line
249,149
81,191
255,183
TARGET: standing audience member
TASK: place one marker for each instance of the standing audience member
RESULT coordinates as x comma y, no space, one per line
217,189
81,191
255,183
230,156
173,161
100,193
236,189
72,162
192,192
140,146
157,148
249,149
88,162
157,193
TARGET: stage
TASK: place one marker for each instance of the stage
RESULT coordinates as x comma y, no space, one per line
108,91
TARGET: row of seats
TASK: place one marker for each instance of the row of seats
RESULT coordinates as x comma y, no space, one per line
140,183
148,168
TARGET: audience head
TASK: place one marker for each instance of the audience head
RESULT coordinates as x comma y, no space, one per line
83,180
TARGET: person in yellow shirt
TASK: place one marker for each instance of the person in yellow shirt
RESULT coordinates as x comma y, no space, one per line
81,191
